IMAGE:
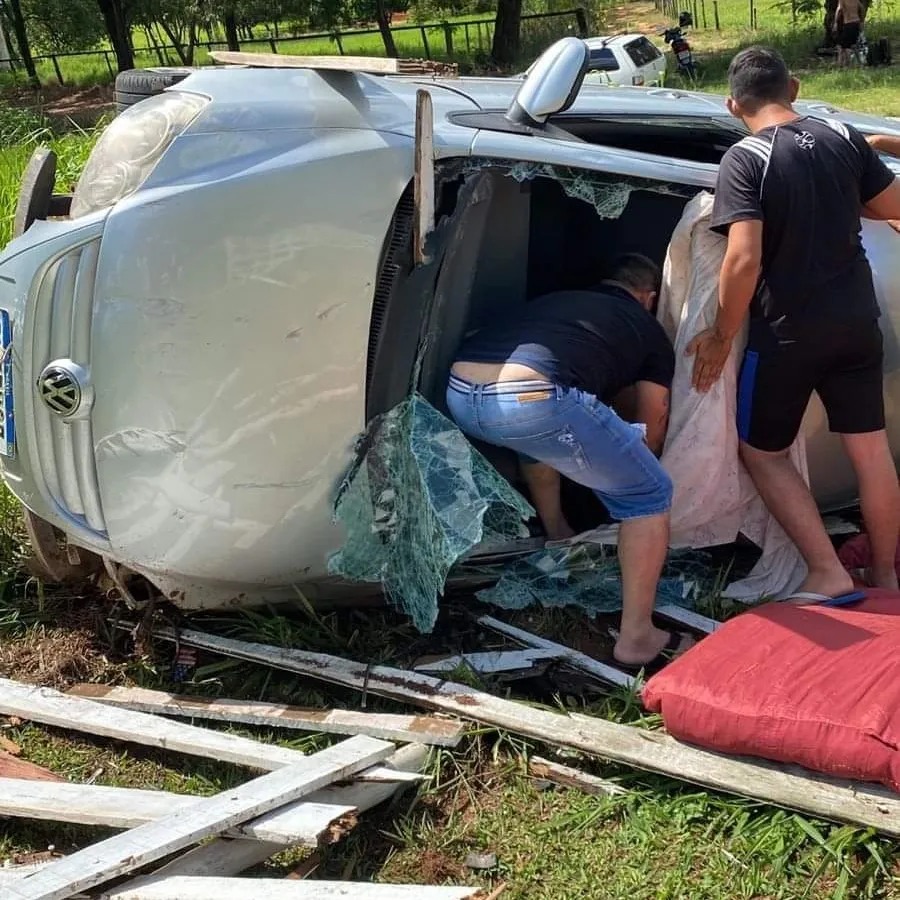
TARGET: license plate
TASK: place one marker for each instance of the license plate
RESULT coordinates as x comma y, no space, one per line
7,420
684,55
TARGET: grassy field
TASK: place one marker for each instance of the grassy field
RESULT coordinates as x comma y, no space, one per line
662,841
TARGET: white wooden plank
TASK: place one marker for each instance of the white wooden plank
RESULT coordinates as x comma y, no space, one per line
571,657
489,662
441,732
145,844
377,65
92,804
50,707
789,786
181,888
574,778
225,857
687,617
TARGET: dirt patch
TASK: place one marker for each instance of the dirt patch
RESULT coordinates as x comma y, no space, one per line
57,657
83,107
436,868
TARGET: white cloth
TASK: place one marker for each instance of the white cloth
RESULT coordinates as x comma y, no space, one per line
715,500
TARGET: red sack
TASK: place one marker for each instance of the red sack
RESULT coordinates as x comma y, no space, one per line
812,685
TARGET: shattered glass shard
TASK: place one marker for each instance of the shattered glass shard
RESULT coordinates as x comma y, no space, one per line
417,499
608,194
586,576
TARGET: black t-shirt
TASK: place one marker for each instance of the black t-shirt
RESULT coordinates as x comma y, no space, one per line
600,341
807,181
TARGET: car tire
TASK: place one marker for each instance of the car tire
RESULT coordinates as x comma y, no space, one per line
135,85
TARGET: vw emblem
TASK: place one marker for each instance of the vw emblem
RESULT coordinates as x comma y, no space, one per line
60,390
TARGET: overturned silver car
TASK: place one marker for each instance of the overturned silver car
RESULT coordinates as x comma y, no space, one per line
260,261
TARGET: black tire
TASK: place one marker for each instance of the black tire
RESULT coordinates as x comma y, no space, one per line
135,85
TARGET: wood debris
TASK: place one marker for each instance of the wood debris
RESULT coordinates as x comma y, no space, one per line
782,785
13,767
374,65
566,776
441,732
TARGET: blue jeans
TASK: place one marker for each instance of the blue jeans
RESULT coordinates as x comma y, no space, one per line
571,431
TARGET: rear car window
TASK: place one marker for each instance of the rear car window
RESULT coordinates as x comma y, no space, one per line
602,59
641,51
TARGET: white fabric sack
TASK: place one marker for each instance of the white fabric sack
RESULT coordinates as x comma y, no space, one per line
715,499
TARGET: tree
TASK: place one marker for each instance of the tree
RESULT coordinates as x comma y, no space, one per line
61,26
505,49
11,12
384,26
117,20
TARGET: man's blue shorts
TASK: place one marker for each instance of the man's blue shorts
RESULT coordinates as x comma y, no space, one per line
571,431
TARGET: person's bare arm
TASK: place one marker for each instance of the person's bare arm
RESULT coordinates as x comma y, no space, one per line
652,409
886,205
737,284
885,143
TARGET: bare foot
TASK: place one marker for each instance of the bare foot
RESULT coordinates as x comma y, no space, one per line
647,646
830,583
882,578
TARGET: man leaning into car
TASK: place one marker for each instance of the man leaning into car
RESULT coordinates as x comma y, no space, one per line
789,198
541,383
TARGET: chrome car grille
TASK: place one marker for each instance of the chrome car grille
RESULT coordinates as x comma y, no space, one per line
62,331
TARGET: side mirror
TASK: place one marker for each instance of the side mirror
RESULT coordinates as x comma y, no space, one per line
551,84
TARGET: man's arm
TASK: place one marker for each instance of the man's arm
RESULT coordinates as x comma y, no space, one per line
885,143
885,205
737,285
652,409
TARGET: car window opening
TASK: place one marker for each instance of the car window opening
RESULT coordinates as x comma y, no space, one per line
519,230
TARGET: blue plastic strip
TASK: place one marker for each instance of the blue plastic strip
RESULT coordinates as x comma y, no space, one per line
746,385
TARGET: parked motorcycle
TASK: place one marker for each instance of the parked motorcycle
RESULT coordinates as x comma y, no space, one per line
681,50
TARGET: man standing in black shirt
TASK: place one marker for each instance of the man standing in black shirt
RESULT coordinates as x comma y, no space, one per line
541,384
789,197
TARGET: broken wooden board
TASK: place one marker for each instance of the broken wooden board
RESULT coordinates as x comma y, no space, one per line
687,617
488,662
566,776
145,844
115,807
388,727
574,658
373,65
13,767
50,707
180,888
787,786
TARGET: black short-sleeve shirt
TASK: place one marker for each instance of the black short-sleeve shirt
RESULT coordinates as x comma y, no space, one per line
600,341
807,181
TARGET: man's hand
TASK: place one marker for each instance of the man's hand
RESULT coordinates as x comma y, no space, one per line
710,351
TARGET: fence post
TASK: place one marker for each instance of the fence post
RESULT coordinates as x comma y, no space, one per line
703,13
425,42
108,63
448,39
59,75
337,40
468,40
716,14
582,21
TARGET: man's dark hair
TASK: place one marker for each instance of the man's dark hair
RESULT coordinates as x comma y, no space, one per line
757,76
635,271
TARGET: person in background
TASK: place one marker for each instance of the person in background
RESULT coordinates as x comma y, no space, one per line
848,20
541,385
789,198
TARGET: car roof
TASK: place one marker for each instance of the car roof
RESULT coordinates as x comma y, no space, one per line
611,41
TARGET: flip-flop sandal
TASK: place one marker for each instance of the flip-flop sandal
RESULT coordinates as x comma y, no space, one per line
847,599
661,660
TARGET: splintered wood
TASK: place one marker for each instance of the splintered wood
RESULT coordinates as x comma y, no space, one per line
792,787
145,844
421,729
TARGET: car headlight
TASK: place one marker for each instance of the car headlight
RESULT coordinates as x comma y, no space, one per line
131,147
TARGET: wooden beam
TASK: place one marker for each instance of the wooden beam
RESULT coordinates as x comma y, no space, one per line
281,889
573,778
115,807
570,657
687,617
374,65
788,786
488,662
419,729
145,844
50,707
423,176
